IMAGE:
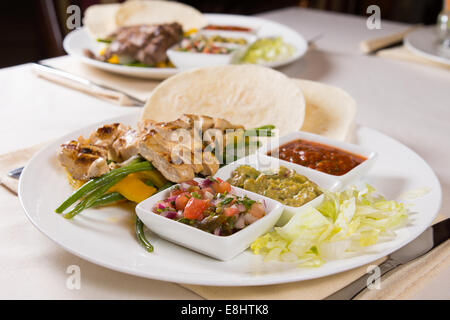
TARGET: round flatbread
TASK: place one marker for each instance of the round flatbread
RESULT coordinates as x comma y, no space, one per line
330,111
247,95
157,12
99,19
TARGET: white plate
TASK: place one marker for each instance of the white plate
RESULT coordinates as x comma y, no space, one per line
76,41
106,237
425,43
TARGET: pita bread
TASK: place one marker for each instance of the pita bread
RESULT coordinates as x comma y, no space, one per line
330,111
99,19
157,12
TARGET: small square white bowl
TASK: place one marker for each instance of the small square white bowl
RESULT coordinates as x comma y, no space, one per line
270,164
351,176
219,247
187,59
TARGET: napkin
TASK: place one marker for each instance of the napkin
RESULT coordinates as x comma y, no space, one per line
403,53
402,283
398,53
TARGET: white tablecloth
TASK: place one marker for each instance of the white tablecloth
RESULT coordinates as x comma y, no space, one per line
409,102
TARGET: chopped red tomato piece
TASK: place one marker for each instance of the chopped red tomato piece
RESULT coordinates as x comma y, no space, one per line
194,208
257,210
230,211
182,200
176,192
221,187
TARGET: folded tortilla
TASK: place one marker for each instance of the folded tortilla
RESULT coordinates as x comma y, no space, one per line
330,111
248,95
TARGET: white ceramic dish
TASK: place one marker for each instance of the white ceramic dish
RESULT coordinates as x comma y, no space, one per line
354,174
424,42
105,237
265,163
183,59
219,247
79,40
186,59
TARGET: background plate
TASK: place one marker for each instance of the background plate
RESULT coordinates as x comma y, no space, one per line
76,41
424,42
106,236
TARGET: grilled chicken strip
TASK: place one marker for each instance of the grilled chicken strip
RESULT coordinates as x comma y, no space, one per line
154,152
83,161
176,148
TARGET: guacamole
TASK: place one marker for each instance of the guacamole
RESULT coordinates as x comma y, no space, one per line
285,186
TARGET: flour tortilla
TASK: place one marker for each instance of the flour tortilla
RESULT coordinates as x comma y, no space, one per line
157,12
248,95
100,20
330,111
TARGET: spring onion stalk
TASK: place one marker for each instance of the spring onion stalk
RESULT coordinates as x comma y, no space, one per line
108,198
104,40
140,235
135,166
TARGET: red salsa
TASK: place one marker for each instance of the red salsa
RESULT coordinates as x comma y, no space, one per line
318,156
227,28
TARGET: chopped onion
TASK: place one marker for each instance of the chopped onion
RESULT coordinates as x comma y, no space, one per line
184,186
241,207
206,183
208,195
161,206
240,222
217,231
250,218
172,198
169,214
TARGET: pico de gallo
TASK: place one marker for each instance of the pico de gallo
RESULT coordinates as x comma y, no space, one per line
210,206
202,44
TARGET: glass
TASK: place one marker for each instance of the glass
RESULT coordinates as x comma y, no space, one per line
443,24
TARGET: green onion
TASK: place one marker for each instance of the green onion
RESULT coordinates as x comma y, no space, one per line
139,230
108,198
114,175
104,40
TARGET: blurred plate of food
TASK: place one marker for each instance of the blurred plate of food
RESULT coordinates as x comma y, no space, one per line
157,39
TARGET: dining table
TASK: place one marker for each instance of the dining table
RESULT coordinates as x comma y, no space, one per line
410,102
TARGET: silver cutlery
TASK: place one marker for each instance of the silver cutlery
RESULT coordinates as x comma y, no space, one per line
15,173
431,238
85,82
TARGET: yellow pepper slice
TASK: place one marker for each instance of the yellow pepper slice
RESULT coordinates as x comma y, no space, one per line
132,188
154,176
189,32
114,59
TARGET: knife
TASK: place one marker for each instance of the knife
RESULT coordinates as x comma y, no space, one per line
431,238
71,78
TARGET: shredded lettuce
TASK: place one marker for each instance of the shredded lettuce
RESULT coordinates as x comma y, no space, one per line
267,50
345,224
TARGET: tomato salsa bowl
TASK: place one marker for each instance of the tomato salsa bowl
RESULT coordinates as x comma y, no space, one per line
214,245
344,161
